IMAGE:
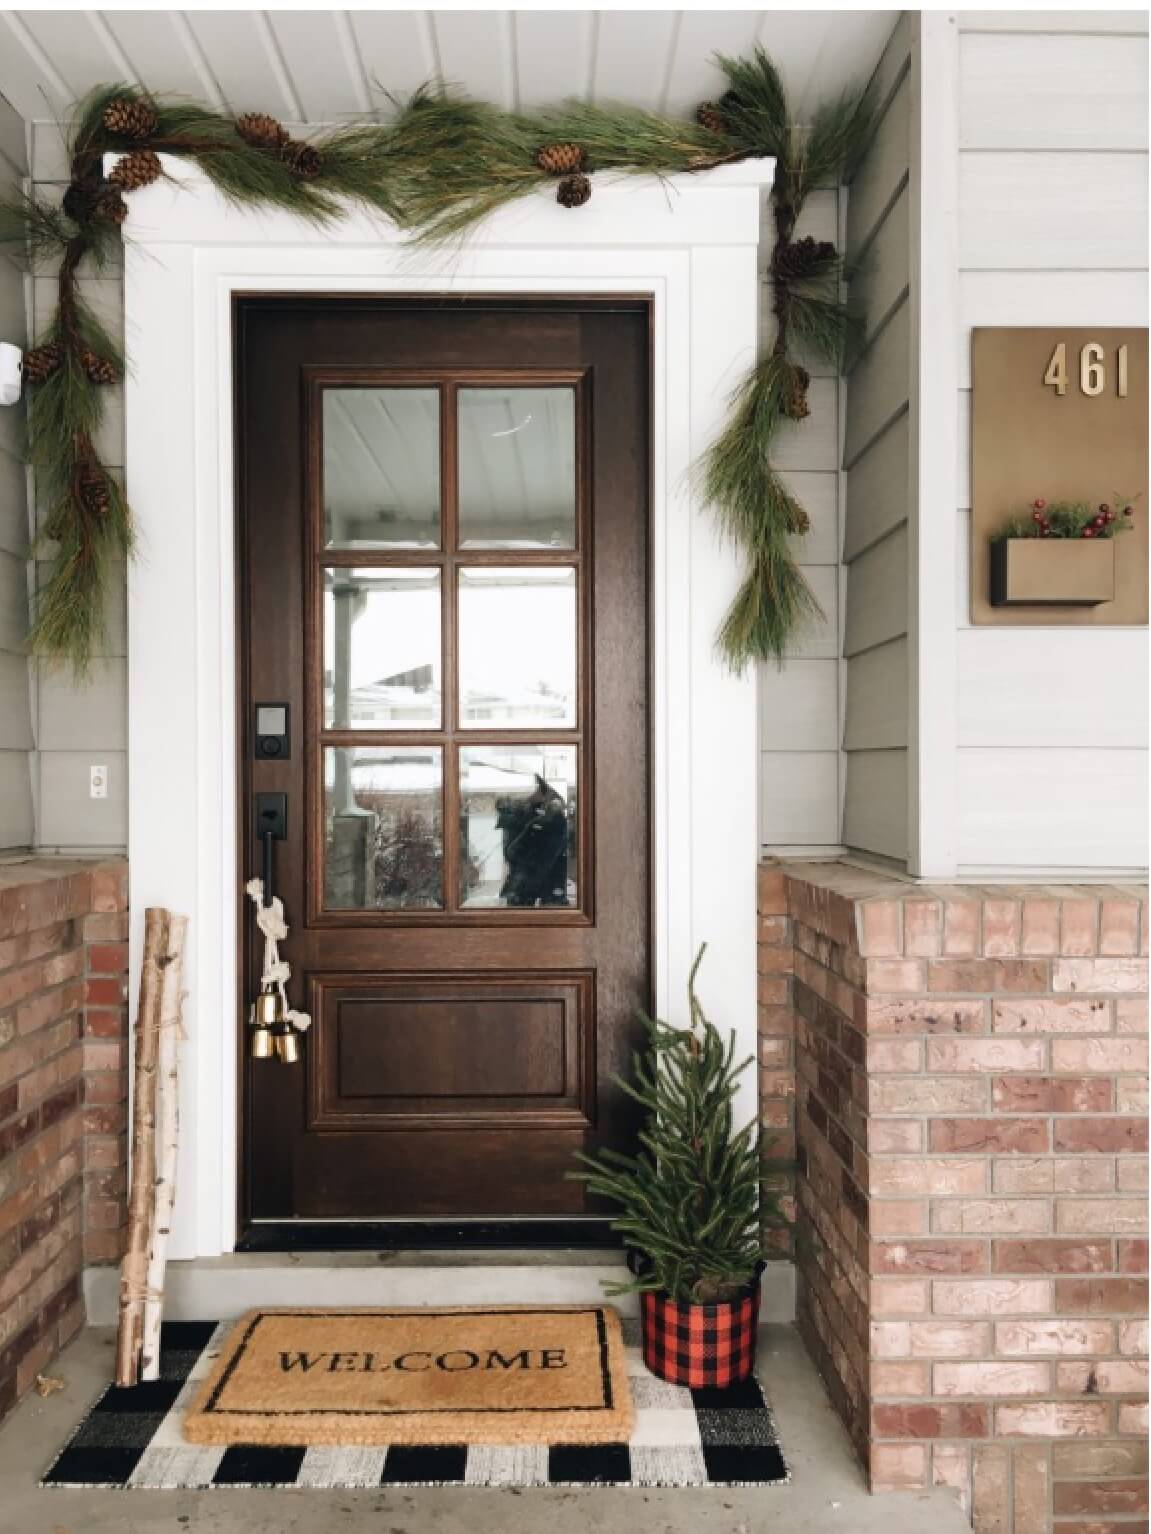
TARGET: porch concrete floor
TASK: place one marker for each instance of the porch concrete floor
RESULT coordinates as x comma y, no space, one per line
826,1493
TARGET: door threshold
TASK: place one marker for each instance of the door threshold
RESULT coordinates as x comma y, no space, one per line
458,1236
223,1288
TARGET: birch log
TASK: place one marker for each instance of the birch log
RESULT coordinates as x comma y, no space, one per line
141,1203
167,1142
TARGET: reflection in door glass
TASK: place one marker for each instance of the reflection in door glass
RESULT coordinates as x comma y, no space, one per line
517,468
382,649
381,468
518,826
517,647
383,828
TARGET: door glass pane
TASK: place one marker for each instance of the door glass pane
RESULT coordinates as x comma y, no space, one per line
518,836
517,468
382,649
517,647
383,828
381,468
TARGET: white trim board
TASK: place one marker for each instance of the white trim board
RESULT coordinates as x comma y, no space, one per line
691,245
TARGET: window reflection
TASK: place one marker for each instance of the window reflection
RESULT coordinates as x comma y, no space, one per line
518,831
517,647
383,828
381,468
517,468
382,649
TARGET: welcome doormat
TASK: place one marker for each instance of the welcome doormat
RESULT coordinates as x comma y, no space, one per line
134,1440
460,1375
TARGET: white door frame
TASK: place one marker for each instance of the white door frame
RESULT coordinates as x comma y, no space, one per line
690,244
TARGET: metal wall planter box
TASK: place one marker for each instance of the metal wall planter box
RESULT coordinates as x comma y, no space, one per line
1064,572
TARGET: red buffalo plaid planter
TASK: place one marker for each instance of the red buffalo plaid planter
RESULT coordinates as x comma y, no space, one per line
702,1346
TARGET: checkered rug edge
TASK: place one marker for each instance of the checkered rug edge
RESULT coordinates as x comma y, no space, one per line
133,1440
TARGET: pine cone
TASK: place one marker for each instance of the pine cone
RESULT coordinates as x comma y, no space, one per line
261,130
794,260
710,117
112,207
99,369
130,119
573,191
303,160
795,406
95,497
560,159
42,361
140,168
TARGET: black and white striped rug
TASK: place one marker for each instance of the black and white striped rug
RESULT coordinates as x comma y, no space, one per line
133,1439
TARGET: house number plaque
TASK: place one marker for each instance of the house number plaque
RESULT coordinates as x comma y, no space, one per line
1059,414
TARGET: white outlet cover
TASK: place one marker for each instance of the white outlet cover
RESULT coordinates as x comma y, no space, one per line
98,783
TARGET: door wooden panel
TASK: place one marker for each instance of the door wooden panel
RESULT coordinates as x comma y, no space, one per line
493,1050
443,513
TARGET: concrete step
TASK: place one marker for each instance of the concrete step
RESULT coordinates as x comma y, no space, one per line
209,1288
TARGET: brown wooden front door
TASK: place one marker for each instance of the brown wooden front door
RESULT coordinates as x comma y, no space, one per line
443,552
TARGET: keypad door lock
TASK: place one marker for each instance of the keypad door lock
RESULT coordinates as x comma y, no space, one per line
273,743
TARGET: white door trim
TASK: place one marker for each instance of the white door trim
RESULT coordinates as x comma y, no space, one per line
690,245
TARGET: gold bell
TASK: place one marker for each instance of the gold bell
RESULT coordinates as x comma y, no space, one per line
287,1044
264,1023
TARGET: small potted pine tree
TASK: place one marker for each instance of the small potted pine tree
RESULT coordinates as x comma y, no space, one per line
691,1205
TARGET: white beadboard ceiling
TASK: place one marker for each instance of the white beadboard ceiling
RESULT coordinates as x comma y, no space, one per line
322,66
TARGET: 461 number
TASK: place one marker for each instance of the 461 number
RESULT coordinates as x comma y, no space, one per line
1092,370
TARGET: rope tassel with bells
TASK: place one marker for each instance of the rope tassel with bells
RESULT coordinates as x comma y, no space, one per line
274,1027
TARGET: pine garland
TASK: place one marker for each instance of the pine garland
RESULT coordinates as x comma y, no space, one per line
438,168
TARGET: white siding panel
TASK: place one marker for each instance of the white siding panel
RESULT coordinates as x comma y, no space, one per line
395,49
814,442
876,693
875,803
69,816
1046,298
91,716
319,51
475,46
799,798
882,173
818,494
820,636
15,710
1065,808
1132,23
799,706
13,504
1055,92
1006,678
625,38
879,384
963,569
16,828
963,467
877,490
552,55
876,597
1073,211
883,273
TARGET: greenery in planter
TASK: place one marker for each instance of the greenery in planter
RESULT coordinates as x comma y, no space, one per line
438,167
1071,519
690,1199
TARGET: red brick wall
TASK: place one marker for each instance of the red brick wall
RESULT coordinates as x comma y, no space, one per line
971,1132
62,1111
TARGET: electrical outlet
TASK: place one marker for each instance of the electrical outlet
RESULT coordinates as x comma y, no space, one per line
98,783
